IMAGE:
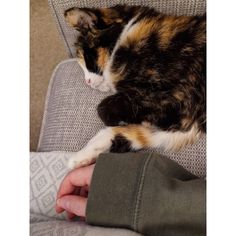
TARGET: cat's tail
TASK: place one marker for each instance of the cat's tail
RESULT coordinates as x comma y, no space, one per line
130,138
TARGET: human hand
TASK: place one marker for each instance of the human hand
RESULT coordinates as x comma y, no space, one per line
73,192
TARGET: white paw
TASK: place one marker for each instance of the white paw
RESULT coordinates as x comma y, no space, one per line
103,87
98,83
80,159
94,82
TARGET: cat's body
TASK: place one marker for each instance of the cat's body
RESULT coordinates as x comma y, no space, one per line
155,64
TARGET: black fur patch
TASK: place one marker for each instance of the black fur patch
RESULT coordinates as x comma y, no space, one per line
119,108
163,80
120,144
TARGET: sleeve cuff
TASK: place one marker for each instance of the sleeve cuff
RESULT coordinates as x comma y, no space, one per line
114,188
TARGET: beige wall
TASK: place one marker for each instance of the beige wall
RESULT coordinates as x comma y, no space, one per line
46,51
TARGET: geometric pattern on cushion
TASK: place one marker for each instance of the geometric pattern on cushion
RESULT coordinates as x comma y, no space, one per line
46,173
70,119
173,7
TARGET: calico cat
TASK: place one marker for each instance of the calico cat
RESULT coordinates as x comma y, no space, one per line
155,64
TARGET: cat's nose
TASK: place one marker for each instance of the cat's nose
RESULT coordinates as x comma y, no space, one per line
88,81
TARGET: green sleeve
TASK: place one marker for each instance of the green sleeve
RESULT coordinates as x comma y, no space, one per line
147,193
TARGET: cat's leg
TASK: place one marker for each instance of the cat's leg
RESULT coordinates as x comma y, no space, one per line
118,138
120,108
131,138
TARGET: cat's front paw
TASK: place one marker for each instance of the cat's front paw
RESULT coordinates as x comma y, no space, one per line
94,81
80,159
104,87
100,85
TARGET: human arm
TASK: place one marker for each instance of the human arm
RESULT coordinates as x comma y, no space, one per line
147,193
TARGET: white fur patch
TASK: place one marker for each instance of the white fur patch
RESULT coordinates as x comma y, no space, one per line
95,81
100,143
174,140
107,70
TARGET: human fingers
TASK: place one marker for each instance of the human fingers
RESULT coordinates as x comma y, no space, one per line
70,215
73,204
83,192
78,177
77,191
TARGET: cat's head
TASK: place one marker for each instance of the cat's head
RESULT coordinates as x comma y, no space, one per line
93,60
96,39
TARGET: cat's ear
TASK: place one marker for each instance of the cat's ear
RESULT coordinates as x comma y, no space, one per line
95,19
81,19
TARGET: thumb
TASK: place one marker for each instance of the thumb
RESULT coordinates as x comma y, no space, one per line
73,204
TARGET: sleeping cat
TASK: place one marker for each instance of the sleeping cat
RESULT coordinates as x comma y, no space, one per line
155,64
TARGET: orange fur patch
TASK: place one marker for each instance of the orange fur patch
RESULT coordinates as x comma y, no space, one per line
80,56
103,56
178,95
140,31
110,16
169,27
116,75
134,133
72,17
201,34
192,78
151,72
186,122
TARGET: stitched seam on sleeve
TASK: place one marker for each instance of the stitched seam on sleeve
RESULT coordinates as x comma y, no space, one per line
139,193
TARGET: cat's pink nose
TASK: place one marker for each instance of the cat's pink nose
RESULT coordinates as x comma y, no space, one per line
88,81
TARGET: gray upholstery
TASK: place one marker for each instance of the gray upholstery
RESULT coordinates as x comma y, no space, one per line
70,118
65,228
175,7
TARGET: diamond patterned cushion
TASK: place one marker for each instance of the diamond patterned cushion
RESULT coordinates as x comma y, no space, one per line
46,173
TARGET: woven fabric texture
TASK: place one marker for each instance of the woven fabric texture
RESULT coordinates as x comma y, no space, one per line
65,228
70,119
174,7
46,173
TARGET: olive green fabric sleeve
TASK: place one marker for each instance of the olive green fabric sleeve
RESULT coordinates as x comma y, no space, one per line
147,193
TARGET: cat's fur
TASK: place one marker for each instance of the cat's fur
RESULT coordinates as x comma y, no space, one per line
156,66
